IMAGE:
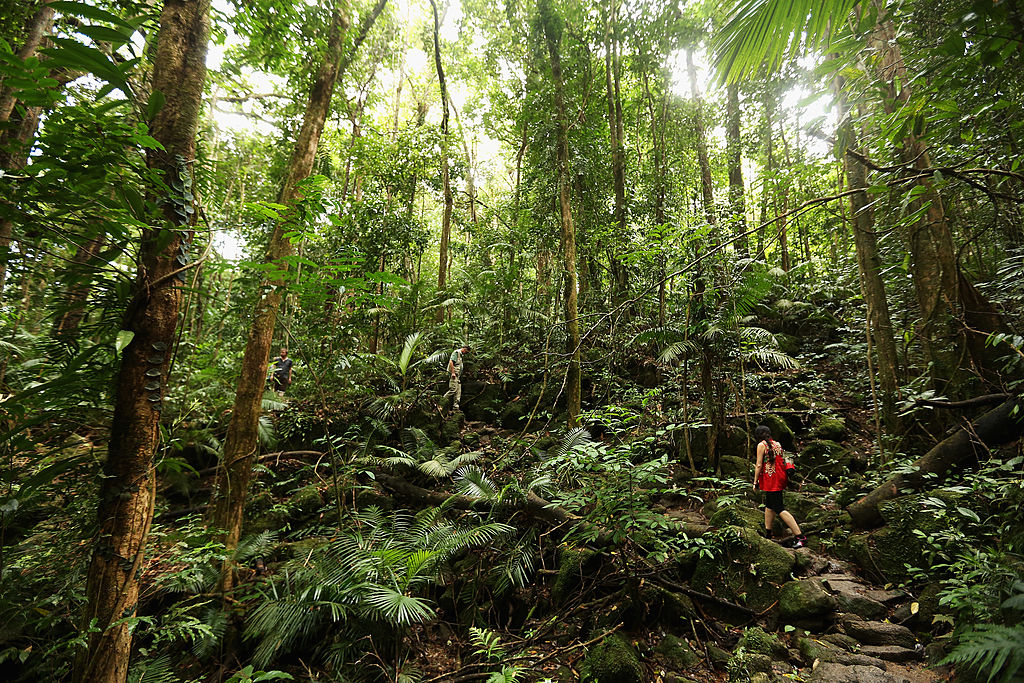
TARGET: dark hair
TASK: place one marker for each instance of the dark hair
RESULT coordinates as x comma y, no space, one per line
762,433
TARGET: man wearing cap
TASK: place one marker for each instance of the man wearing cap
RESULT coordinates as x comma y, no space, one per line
455,379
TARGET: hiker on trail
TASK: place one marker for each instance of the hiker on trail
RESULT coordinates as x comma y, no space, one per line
282,377
455,376
771,476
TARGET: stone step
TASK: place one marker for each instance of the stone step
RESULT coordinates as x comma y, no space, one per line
833,672
893,653
877,632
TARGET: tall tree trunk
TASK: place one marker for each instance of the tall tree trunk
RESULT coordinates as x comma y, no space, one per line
612,68
553,36
737,202
35,31
933,258
706,186
240,443
446,218
14,152
127,489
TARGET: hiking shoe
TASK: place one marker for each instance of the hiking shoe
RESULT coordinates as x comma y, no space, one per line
768,533
801,541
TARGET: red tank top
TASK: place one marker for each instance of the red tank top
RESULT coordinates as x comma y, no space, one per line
773,469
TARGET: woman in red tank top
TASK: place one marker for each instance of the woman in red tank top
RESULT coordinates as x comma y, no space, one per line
771,476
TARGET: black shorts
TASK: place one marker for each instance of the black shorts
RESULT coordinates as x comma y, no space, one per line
773,501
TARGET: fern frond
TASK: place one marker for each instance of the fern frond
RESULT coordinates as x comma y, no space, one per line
398,608
677,350
773,359
999,650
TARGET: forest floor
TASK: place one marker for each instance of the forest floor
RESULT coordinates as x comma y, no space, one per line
747,609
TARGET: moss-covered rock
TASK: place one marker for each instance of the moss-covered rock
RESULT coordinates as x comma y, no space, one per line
804,601
830,429
743,666
573,565
756,639
823,461
733,466
613,661
746,568
677,653
781,431
898,544
739,515
306,501
804,508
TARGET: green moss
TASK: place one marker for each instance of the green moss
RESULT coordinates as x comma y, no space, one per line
738,515
677,653
748,570
573,563
804,599
830,428
613,661
756,639
823,461
780,431
306,500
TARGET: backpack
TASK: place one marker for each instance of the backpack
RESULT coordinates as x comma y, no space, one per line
775,471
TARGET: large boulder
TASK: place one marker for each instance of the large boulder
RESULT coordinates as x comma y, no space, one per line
850,597
804,601
830,428
781,431
733,466
878,632
738,514
823,461
745,568
573,565
613,661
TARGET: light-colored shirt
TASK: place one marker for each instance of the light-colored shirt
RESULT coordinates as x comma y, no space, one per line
456,362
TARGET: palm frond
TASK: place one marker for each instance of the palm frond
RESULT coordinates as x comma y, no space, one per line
397,608
662,335
472,481
254,545
436,358
411,342
678,350
767,32
577,436
768,358
266,432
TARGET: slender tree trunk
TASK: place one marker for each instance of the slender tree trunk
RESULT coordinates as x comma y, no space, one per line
869,263
706,186
446,218
35,31
933,259
552,33
127,489
612,68
737,201
13,157
66,324
241,442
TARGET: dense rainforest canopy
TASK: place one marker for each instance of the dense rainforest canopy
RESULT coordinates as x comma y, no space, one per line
653,226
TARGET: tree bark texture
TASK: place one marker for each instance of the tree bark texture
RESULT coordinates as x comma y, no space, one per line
620,280
999,426
14,151
241,441
37,29
869,263
553,35
737,201
73,311
706,186
446,218
127,490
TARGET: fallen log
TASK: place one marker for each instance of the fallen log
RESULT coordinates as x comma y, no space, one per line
999,426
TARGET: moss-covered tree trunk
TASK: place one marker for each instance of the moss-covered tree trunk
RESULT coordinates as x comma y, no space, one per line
127,489
553,36
241,442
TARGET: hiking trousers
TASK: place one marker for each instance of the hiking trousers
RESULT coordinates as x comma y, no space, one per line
454,389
